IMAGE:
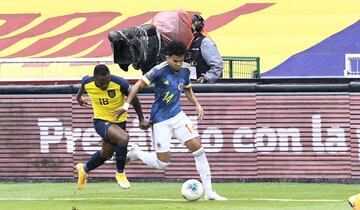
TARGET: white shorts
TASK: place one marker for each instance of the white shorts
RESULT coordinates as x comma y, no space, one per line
179,126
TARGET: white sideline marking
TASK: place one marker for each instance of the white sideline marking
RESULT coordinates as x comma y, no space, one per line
165,199
289,200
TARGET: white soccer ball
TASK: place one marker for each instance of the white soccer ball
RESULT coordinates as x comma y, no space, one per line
192,190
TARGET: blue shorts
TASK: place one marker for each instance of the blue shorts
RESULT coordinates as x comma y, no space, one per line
101,127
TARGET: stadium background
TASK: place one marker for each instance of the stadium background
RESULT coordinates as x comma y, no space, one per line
265,131
272,30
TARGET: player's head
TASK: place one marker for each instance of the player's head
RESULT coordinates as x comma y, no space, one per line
175,53
101,76
197,23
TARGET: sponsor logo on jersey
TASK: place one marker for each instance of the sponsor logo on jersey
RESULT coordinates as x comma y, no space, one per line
111,93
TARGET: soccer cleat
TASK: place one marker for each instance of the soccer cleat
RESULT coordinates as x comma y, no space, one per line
214,197
122,180
131,155
354,201
351,201
82,176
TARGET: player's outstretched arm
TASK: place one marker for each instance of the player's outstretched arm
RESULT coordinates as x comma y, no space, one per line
143,124
132,94
191,97
139,85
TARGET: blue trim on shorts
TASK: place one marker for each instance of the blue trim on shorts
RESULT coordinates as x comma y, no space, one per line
101,127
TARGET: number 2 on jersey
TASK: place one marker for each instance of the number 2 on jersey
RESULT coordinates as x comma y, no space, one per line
168,97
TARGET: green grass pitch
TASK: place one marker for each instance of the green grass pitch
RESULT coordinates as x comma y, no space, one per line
158,195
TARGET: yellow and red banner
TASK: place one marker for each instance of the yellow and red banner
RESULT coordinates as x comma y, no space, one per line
272,30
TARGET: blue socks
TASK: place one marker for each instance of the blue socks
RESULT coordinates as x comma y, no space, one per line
95,161
120,157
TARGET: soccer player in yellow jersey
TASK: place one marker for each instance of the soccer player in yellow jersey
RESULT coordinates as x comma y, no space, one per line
107,93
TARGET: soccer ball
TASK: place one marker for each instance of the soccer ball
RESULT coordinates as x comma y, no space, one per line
192,190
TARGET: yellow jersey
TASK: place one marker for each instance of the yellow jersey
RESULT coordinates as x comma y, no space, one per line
106,101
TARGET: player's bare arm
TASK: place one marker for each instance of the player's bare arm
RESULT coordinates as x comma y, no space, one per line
80,100
143,124
191,97
132,94
139,85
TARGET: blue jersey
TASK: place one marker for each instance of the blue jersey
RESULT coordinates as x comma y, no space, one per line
168,87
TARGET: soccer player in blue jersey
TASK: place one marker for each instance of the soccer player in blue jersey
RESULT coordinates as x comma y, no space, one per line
107,93
170,79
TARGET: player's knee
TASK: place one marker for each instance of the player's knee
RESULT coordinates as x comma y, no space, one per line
123,140
162,165
193,144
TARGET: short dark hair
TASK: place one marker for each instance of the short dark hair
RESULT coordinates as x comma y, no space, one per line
101,70
176,48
